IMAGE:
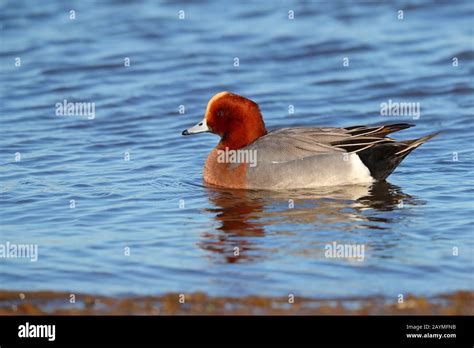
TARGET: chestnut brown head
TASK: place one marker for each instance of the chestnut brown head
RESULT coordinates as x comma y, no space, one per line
236,119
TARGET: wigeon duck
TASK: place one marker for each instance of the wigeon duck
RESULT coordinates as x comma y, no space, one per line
250,157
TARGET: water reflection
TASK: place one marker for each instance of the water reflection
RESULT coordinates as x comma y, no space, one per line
243,215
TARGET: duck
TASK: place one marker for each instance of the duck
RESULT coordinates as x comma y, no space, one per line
248,156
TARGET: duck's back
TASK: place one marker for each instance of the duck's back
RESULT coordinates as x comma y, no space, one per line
304,157
313,157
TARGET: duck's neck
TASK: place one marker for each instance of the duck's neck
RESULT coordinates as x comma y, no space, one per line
240,137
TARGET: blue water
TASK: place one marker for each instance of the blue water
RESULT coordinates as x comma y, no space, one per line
182,234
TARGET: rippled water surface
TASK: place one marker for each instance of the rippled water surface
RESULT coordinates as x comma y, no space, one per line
182,234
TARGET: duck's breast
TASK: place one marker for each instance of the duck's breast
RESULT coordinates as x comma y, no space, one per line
219,171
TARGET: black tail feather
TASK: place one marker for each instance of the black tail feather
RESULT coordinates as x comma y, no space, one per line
382,159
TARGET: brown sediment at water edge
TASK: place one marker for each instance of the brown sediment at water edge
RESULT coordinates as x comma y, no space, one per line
59,303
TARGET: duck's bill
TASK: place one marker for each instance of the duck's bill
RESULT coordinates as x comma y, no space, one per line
201,127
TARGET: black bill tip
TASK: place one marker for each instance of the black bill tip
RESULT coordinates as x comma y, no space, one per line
185,132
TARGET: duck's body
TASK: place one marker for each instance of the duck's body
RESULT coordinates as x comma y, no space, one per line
249,157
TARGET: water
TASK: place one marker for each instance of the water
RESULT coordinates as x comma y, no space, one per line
136,204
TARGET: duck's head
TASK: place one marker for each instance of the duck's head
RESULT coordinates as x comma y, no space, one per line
236,119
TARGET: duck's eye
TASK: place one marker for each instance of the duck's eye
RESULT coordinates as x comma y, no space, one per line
220,113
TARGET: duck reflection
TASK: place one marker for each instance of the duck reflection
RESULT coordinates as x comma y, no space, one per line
243,215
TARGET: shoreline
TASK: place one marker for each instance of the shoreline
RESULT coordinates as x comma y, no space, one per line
197,303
